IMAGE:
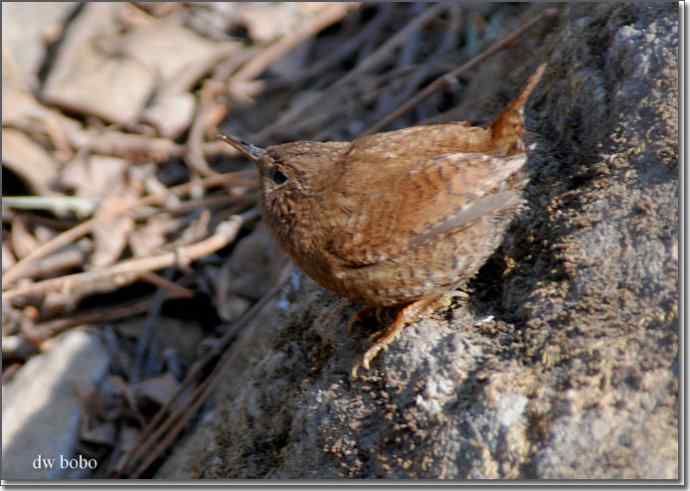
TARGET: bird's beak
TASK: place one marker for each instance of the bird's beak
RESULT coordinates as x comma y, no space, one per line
251,151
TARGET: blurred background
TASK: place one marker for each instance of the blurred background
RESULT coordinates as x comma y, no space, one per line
131,236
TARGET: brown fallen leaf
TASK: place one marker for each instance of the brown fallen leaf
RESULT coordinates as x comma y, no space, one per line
92,76
111,231
153,235
23,242
99,434
29,161
171,115
94,176
8,259
158,390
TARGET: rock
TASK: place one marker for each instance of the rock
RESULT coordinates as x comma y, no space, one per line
565,362
41,408
252,269
182,336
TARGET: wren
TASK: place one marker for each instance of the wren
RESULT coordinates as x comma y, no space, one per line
400,218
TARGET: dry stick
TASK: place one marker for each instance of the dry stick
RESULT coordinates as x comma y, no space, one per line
321,118
54,327
209,112
266,58
448,42
18,270
174,290
199,396
160,422
443,80
52,245
62,261
370,61
128,271
344,50
133,147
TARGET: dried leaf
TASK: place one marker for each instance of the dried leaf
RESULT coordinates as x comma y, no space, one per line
23,243
100,434
29,161
171,115
111,232
267,22
94,177
24,25
110,238
152,236
173,52
157,389
91,75
8,259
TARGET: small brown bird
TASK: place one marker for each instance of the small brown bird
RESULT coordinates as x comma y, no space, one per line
396,219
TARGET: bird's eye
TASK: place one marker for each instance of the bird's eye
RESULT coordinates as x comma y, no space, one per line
277,176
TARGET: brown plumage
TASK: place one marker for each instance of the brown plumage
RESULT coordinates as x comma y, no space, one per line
396,218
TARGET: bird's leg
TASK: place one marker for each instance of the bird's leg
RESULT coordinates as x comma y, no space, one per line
406,315
363,314
359,316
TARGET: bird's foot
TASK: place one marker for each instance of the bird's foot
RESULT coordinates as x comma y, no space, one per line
383,339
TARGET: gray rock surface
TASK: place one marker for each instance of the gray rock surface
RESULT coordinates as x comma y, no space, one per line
564,364
41,407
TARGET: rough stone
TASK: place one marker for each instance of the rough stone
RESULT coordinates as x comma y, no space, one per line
41,407
564,363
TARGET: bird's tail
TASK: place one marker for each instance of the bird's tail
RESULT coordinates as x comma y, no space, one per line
509,127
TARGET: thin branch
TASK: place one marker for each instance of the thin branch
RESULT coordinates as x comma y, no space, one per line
343,51
271,54
379,56
58,205
163,424
100,315
444,80
19,269
127,272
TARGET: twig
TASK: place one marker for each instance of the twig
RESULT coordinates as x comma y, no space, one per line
176,422
127,272
375,58
67,237
101,315
18,270
165,418
146,339
34,219
132,147
209,113
267,57
59,205
445,79
343,51
68,258
174,290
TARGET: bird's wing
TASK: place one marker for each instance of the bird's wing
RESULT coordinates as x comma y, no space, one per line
390,215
